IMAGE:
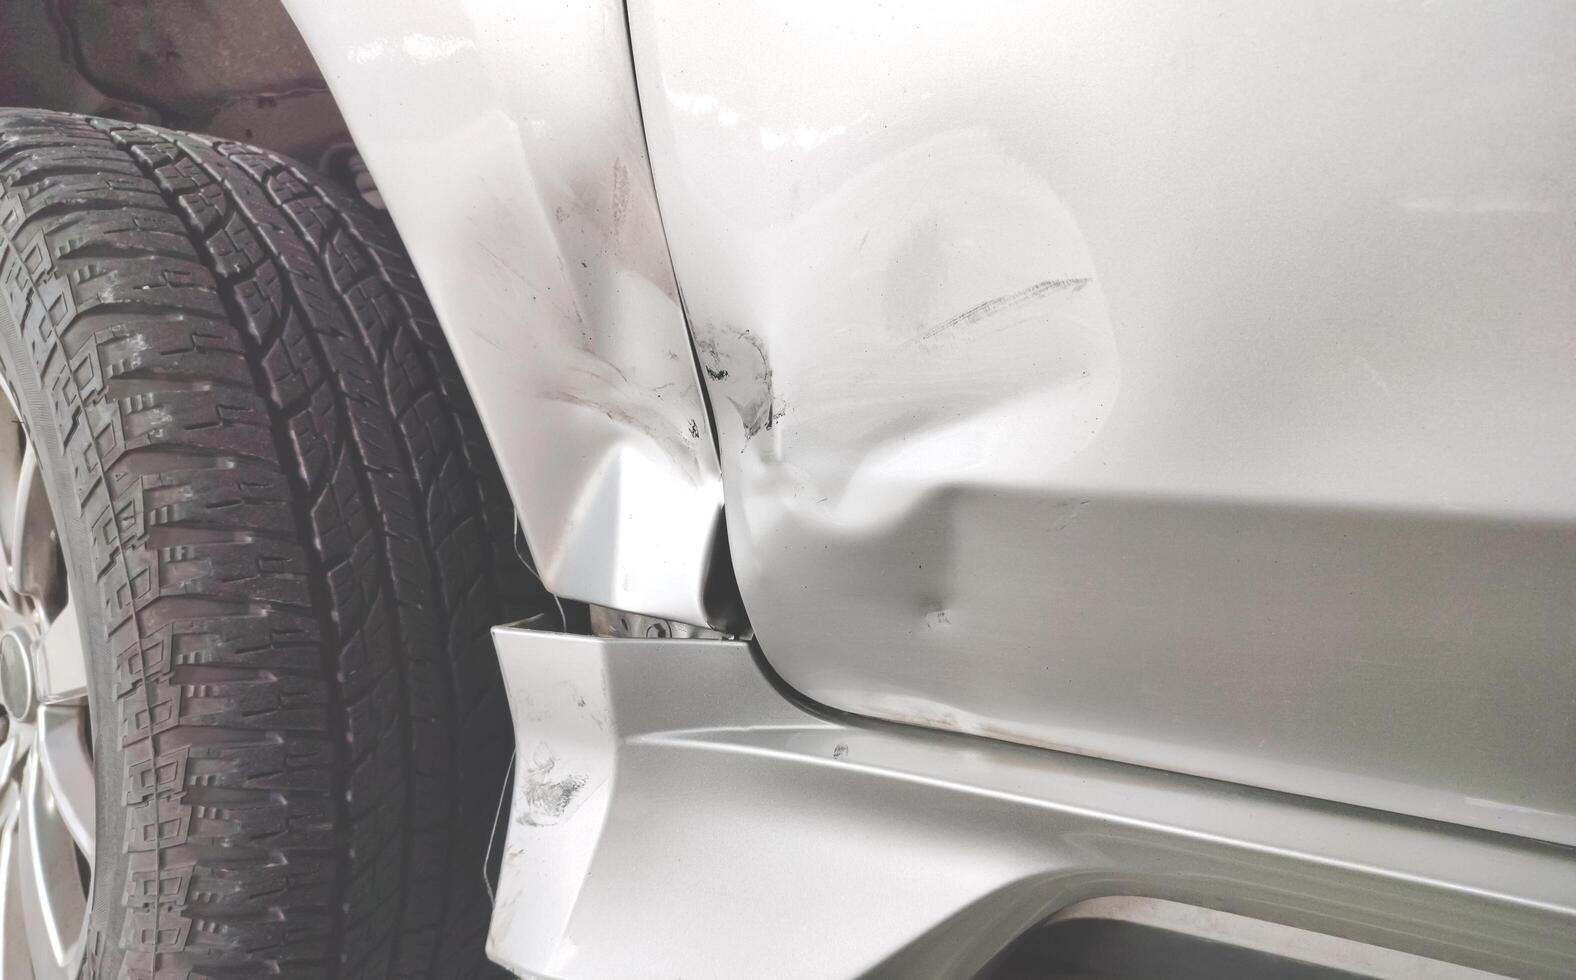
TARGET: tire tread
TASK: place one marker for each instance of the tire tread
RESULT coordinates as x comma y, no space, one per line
300,539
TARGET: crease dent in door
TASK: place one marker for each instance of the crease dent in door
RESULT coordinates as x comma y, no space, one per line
1185,384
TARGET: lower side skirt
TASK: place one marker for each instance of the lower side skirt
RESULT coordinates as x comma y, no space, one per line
674,813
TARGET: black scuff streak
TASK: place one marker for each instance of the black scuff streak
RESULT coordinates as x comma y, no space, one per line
758,406
991,307
762,415
765,409
602,364
710,357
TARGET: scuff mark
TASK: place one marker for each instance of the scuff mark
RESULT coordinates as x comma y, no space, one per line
992,307
916,711
508,268
710,356
545,797
1376,378
620,195
1065,513
671,444
840,750
766,416
479,335
602,364
759,408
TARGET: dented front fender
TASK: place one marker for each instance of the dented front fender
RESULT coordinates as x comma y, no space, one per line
507,143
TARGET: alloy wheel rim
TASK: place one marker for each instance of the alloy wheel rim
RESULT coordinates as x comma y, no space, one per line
46,757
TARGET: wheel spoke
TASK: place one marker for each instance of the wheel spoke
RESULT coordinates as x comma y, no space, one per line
15,964
62,751
8,598
35,554
13,444
12,754
53,905
27,471
62,659
47,813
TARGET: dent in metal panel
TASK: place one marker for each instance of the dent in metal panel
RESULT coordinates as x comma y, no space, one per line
976,311
1186,384
506,140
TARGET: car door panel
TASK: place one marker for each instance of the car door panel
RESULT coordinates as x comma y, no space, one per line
1186,384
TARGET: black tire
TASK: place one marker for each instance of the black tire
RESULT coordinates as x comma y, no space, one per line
275,494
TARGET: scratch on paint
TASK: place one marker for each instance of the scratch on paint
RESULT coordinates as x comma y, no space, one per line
1376,378
991,307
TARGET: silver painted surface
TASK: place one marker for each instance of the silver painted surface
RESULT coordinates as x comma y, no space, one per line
1240,932
673,815
506,141
1185,383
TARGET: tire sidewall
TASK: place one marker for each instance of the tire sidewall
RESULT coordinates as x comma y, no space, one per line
66,496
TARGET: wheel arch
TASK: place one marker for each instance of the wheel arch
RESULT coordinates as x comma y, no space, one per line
507,143
238,71
507,146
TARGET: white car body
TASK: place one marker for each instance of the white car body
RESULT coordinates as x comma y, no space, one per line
1186,386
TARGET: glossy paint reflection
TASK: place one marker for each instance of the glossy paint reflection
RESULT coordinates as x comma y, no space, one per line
507,144
873,850
1186,384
